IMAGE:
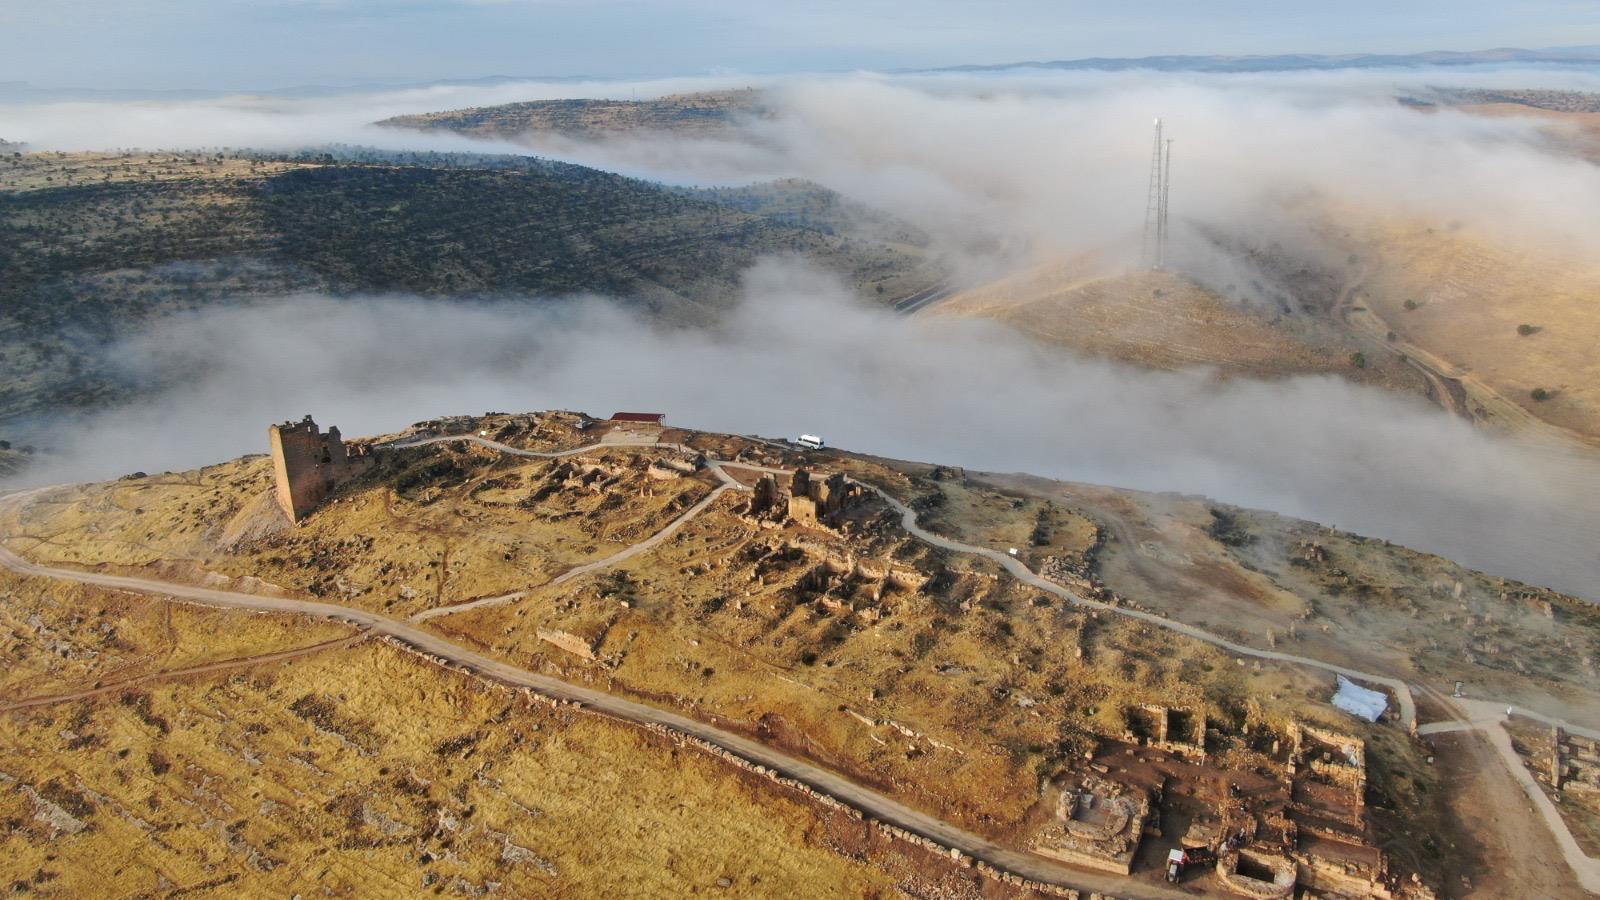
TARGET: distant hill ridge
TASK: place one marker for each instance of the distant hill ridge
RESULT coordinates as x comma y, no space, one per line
705,114
1588,55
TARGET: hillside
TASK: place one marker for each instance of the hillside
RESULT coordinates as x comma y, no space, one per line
1554,101
1164,320
710,114
94,245
1575,132
1464,298
927,672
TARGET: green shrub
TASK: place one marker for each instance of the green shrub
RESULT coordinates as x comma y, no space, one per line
1539,394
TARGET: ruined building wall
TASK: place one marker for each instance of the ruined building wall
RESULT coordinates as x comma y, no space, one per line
307,464
814,502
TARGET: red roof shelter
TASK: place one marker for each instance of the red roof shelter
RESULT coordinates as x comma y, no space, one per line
651,418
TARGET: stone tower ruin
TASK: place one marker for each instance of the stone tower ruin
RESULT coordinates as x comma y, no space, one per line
307,465
814,501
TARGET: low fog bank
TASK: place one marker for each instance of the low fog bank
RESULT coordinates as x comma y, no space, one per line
267,122
1021,167
797,355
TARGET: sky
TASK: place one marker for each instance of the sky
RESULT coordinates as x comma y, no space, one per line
269,44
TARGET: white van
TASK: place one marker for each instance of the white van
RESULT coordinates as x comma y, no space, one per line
810,440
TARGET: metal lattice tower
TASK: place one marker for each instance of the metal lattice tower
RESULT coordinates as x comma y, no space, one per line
1152,204
1155,210
1166,188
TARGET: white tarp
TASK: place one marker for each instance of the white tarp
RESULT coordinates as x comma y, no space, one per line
1359,701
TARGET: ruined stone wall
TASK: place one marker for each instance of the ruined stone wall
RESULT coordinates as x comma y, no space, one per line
1349,772
1340,879
567,641
307,465
814,502
1556,769
803,510
1283,871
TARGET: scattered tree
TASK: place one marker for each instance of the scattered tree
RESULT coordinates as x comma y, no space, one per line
1539,394
1526,329
1411,304
1358,359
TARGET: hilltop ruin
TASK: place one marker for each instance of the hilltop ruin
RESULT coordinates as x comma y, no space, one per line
307,464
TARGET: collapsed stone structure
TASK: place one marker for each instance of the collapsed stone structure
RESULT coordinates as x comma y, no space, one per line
1298,821
765,497
1254,873
578,646
1180,731
811,501
308,464
847,584
1570,765
670,468
1339,760
1329,837
1098,824
815,502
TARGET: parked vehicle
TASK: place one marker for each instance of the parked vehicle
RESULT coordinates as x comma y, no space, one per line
810,440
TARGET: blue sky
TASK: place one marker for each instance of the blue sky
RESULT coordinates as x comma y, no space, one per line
241,44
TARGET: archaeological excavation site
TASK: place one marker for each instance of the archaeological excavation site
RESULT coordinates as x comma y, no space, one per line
554,655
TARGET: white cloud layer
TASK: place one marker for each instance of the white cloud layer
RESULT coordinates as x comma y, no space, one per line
797,356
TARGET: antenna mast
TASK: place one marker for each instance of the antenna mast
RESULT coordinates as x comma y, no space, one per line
1166,188
1152,207
1155,210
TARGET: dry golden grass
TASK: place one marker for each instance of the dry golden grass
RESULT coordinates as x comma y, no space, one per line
1468,296
1154,319
436,526
1035,527
367,772
1577,132
59,637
